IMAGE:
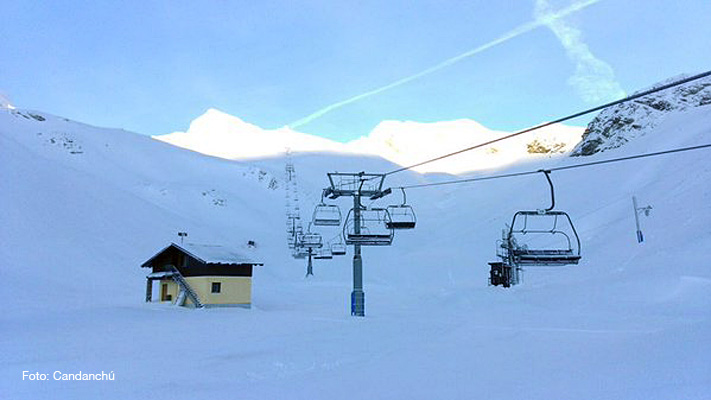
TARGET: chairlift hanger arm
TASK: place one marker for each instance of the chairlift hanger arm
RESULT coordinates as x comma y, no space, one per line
381,194
328,192
547,173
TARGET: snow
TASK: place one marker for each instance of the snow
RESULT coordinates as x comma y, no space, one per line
83,207
216,254
212,253
402,142
156,275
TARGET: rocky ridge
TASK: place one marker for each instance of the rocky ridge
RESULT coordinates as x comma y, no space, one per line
619,124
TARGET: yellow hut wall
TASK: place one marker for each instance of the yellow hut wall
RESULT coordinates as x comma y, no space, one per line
173,289
233,290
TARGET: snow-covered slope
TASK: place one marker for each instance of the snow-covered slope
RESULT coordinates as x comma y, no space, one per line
407,143
82,207
617,125
402,142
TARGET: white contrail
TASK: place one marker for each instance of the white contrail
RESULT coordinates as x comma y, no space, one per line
521,29
594,79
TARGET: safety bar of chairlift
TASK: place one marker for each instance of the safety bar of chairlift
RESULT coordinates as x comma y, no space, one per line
567,237
366,238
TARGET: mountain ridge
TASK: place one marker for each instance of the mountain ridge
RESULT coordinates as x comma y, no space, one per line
619,124
223,135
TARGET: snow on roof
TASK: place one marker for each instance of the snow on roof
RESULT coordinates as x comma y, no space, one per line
161,274
215,254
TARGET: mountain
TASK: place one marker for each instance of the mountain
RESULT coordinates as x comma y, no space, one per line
619,124
402,142
222,135
409,142
82,207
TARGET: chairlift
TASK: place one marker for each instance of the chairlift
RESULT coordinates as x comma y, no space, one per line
326,214
310,240
402,216
324,254
373,229
541,237
545,239
299,254
338,248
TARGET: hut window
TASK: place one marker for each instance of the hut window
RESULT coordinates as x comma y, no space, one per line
216,286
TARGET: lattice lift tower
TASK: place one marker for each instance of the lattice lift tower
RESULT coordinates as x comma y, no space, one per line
294,225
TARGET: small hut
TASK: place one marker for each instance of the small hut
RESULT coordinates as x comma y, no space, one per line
199,276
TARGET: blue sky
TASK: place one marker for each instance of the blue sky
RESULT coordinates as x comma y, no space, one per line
153,66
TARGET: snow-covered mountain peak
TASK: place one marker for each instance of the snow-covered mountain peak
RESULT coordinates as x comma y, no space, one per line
219,134
214,120
403,142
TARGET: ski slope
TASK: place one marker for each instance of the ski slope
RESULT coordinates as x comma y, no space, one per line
82,207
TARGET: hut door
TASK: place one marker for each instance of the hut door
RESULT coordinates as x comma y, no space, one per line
164,292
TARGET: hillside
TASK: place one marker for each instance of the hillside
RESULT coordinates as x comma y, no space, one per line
85,206
619,124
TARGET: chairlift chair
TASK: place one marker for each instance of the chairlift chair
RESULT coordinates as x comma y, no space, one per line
535,238
338,248
299,254
402,216
324,254
373,229
326,214
311,240
542,237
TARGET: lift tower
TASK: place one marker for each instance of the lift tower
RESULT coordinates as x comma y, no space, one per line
358,185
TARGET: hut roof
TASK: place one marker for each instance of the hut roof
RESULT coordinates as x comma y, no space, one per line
208,254
213,254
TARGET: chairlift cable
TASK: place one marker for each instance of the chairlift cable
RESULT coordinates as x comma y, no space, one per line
572,116
565,167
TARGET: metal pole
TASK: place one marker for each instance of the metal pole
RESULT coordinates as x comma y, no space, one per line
640,236
357,296
149,290
310,267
